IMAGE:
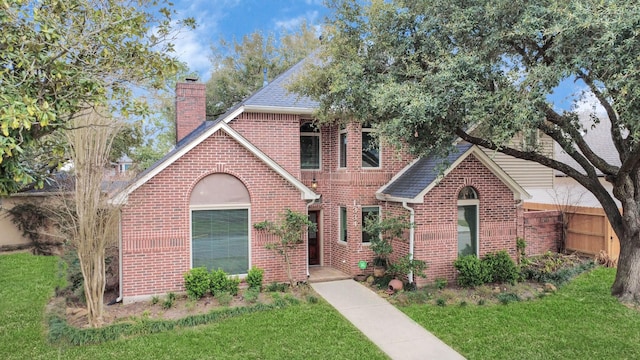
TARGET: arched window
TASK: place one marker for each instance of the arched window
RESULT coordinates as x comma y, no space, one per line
220,224
468,221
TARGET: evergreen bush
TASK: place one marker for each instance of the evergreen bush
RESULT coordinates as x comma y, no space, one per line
471,271
501,267
197,281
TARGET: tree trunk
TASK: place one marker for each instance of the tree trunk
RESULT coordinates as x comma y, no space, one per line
93,270
287,262
626,286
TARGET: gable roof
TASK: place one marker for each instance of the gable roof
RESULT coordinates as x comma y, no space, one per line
199,135
413,182
272,98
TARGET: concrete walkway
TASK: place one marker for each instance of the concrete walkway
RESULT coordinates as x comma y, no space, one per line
394,332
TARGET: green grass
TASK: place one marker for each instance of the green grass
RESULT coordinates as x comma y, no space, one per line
581,321
296,332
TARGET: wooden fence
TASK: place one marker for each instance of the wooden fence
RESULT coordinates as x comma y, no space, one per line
588,229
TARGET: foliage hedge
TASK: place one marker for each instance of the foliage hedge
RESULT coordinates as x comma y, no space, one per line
61,332
472,271
501,267
197,282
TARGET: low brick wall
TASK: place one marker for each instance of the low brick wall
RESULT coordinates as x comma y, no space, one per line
542,231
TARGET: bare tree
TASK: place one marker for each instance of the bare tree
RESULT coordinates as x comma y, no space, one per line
87,217
566,200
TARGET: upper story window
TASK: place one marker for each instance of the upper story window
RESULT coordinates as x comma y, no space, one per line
342,151
309,147
370,148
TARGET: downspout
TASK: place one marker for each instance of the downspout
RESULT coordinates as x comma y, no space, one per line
119,299
411,235
307,252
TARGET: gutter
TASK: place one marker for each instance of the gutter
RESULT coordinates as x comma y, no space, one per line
119,299
411,235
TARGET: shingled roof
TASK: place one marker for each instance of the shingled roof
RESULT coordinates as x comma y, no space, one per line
598,136
415,180
274,97
276,94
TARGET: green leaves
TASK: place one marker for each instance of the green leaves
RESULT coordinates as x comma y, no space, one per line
60,57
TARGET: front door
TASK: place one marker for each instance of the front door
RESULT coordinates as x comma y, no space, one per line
314,239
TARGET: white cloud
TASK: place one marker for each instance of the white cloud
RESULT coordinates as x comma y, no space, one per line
588,103
194,46
294,23
193,49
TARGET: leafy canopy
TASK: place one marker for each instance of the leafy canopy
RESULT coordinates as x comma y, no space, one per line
59,57
426,71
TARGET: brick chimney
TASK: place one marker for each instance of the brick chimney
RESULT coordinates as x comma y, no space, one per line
190,107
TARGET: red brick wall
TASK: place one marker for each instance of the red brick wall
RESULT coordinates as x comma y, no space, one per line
155,221
190,108
352,187
436,239
542,231
277,135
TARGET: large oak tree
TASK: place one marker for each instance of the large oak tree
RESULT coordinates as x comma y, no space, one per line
425,71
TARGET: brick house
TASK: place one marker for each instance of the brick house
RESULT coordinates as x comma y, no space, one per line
196,206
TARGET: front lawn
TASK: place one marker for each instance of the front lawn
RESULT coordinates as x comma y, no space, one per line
581,321
297,332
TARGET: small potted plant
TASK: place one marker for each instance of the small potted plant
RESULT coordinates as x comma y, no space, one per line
382,249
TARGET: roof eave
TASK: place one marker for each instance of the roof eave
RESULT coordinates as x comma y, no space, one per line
278,110
385,197
306,193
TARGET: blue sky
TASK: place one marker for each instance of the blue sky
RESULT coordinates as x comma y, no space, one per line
236,18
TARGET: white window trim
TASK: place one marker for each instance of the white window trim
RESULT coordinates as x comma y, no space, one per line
221,207
476,203
319,135
370,130
346,133
362,225
340,241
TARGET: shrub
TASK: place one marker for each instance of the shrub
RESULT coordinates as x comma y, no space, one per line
254,278
441,283
251,295
277,287
168,302
197,282
501,267
471,271
506,298
219,280
224,298
233,285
